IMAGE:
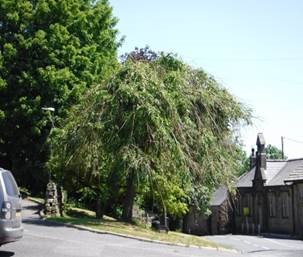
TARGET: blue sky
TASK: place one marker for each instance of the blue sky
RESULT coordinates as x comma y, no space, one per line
253,48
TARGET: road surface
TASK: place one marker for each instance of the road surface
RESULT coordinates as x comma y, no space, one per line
261,246
43,239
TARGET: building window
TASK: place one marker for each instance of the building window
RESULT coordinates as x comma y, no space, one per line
285,205
272,204
247,205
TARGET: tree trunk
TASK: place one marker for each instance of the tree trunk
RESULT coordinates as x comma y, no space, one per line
186,223
128,203
99,212
113,183
61,200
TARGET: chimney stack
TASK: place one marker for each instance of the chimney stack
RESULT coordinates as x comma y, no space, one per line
252,160
261,155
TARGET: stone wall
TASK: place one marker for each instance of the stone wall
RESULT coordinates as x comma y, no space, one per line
266,216
282,223
298,204
219,222
221,218
195,223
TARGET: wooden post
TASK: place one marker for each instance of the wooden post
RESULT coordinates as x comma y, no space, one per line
282,143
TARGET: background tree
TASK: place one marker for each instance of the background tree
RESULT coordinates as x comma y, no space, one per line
140,54
273,152
50,52
243,162
161,125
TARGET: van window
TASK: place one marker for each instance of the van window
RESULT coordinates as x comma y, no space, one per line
10,184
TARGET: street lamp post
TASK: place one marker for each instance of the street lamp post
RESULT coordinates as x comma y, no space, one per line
51,201
51,110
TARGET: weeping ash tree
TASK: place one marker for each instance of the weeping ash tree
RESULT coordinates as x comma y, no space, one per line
157,127
50,52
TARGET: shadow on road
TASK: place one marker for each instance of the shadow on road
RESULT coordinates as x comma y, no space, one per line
280,236
31,215
6,254
276,253
268,235
41,222
32,207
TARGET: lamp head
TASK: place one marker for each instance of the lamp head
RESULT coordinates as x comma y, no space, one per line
51,109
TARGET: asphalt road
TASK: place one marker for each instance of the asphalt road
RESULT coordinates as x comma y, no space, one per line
261,246
45,239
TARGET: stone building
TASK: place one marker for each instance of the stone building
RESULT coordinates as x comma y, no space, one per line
269,200
220,220
270,195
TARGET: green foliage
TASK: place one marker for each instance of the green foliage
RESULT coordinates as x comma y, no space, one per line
24,192
243,162
272,152
172,126
200,196
50,52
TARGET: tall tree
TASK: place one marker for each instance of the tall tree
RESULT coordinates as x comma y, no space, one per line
162,125
50,52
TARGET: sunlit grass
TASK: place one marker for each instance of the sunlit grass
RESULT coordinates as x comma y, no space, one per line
107,224
87,218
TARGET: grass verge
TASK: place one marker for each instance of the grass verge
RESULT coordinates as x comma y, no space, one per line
108,224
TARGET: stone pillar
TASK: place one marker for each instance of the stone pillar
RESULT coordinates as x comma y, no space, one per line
51,200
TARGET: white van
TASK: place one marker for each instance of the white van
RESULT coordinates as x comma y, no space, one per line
10,209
